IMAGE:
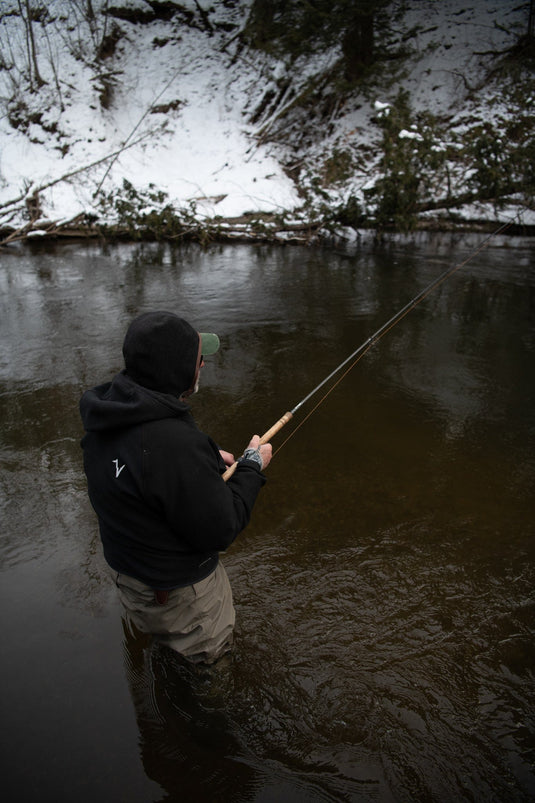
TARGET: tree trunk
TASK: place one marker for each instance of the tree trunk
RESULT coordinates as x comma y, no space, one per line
260,21
357,43
32,53
531,28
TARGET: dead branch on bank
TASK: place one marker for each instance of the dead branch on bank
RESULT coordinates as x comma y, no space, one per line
48,229
242,229
514,190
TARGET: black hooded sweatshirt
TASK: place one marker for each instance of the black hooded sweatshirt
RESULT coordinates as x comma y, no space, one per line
154,480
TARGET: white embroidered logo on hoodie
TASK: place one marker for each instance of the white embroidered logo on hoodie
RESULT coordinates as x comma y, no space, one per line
117,469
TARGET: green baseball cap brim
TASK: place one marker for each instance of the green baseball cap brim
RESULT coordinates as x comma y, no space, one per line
209,343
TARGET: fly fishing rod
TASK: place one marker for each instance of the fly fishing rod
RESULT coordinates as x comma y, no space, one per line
356,355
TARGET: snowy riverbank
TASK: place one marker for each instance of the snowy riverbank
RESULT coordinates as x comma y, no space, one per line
179,110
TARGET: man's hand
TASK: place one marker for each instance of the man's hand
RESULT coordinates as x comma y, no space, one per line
265,450
228,457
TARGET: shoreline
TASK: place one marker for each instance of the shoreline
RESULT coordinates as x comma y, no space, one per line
248,231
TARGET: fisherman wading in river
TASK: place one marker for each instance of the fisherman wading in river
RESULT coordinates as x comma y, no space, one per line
155,482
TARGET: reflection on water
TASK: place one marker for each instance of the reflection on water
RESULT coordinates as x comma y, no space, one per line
384,589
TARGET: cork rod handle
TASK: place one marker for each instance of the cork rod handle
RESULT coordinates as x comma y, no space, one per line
264,439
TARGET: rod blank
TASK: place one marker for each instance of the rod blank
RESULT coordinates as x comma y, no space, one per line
374,338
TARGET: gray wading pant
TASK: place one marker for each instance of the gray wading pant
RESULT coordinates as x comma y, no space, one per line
197,621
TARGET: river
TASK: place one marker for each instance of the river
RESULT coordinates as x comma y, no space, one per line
384,588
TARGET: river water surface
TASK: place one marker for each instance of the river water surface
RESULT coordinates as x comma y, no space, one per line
384,589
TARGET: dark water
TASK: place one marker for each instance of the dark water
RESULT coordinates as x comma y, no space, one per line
384,589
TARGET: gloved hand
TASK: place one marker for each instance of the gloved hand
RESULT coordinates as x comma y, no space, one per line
261,454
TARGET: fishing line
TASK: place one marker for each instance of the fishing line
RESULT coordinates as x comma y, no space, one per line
383,330
313,410
357,355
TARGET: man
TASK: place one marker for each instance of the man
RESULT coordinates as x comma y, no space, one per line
154,480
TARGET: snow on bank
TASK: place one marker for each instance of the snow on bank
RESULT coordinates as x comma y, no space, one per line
178,102
196,149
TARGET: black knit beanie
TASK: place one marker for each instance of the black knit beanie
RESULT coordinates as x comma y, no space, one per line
160,352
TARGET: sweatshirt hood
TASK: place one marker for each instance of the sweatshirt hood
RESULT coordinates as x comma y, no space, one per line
124,403
161,352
